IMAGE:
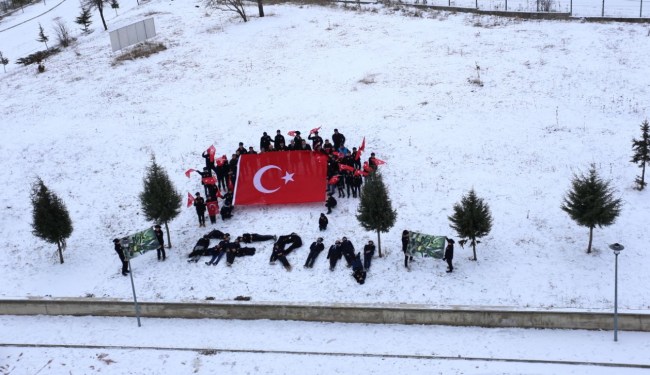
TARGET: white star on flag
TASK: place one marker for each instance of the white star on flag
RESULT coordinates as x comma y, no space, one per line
288,177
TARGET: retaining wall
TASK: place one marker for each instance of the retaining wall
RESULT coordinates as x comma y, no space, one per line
344,313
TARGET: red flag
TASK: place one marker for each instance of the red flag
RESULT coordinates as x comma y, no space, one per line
360,173
337,154
222,160
213,207
361,149
292,133
190,200
344,167
366,167
334,180
211,152
281,178
379,162
187,172
209,181
314,130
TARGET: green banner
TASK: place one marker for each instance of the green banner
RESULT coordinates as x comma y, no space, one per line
139,243
427,245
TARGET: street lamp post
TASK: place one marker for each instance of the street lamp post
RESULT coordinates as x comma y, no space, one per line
617,247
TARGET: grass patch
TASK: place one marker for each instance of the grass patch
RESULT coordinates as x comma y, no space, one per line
141,51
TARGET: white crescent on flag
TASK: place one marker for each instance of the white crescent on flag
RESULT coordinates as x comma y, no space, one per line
257,179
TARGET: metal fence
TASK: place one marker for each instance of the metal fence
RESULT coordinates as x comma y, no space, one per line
132,34
577,8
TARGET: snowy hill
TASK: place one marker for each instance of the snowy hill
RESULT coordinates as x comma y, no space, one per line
557,96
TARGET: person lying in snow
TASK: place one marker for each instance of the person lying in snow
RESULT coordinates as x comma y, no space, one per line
357,270
199,249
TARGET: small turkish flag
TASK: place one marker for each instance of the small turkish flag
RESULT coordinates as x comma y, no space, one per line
292,133
314,130
190,200
334,180
211,151
209,181
222,160
366,167
379,162
361,149
281,178
360,173
337,154
187,172
344,167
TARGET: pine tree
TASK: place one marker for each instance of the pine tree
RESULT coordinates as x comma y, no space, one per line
84,18
375,211
4,61
591,202
159,199
471,219
50,219
641,155
41,36
99,4
115,5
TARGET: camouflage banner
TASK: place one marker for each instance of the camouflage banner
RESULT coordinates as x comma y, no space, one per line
427,245
139,243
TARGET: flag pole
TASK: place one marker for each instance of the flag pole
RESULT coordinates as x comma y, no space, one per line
135,299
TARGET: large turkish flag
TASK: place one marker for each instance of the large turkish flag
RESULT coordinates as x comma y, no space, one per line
281,177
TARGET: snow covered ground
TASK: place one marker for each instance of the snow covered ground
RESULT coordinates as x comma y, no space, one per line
175,346
557,96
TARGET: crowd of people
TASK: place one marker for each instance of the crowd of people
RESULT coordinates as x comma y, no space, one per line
345,171
282,247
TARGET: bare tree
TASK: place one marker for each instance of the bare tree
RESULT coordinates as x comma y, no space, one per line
41,36
260,8
62,33
4,61
99,4
236,6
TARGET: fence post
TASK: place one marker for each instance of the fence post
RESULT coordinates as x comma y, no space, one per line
602,12
506,5
641,9
571,7
476,4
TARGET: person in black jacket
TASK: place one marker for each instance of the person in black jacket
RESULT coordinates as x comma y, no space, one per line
279,142
338,139
294,241
405,243
120,253
368,253
316,140
279,254
330,203
358,272
161,240
322,222
219,251
315,249
334,254
265,142
199,249
254,237
449,255
199,204
347,249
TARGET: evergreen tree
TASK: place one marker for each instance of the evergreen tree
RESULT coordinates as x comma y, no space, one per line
41,36
641,155
99,4
115,5
50,219
159,199
4,61
591,202
471,219
375,211
84,18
